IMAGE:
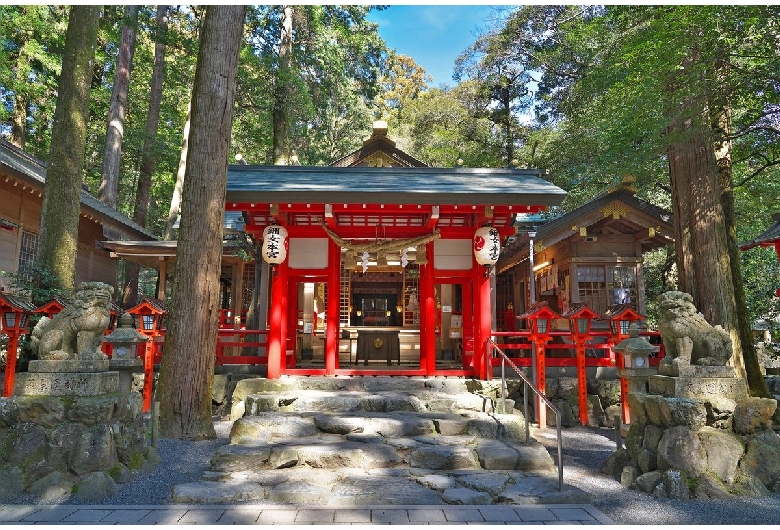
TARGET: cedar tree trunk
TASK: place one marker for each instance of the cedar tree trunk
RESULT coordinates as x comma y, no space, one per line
149,151
57,242
281,118
187,370
115,132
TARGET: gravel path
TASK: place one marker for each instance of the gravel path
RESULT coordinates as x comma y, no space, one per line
584,450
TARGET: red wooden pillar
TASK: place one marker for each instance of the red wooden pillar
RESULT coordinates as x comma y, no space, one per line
276,331
149,349
291,322
284,276
428,314
467,319
332,309
541,379
582,381
624,410
482,320
10,364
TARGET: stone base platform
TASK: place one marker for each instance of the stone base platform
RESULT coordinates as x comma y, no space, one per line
76,384
69,366
698,387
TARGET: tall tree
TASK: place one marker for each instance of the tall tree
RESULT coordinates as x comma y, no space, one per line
149,150
187,370
503,87
301,67
62,198
668,92
112,151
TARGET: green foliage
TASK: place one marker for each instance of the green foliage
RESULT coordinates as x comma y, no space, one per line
336,61
32,38
36,282
613,79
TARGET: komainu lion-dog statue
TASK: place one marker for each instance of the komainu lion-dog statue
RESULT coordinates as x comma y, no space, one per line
688,338
76,332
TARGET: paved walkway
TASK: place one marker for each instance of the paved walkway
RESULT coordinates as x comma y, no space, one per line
294,515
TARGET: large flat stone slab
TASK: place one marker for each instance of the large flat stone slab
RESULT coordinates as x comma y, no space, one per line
698,387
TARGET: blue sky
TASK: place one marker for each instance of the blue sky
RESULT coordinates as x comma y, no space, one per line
433,35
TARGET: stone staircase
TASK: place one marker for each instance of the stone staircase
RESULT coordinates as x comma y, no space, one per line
358,441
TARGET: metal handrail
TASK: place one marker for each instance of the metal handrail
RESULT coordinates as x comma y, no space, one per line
528,384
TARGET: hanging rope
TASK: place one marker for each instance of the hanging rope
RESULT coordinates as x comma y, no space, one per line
384,245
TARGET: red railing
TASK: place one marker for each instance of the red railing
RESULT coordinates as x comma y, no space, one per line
517,346
239,339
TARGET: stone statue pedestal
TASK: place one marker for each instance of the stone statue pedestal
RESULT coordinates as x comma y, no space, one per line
703,386
67,378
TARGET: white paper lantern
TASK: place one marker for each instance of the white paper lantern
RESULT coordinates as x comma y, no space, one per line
274,244
487,245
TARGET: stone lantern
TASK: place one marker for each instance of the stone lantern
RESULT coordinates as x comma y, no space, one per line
635,370
124,359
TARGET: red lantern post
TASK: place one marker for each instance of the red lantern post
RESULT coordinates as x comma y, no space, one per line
540,319
150,319
14,312
580,317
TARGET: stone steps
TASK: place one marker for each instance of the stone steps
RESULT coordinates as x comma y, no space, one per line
375,440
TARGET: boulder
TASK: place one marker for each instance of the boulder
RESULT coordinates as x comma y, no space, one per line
91,410
680,449
94,486
710,488
95,451
762,458
647,482
55,486
724,450
614,464
629,475
754,414
682,411
9,412
47,412
12,484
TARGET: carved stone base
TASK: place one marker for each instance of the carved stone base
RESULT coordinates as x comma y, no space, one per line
698,387
675,369
69,366
66,384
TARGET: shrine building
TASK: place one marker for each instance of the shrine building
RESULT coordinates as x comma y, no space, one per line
380,265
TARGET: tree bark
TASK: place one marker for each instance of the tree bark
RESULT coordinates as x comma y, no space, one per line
19,122
115,132
57,242
149,151
281,120
187,370
706,246
743,329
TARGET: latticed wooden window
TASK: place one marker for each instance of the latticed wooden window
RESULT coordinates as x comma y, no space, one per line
27,253
601,286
